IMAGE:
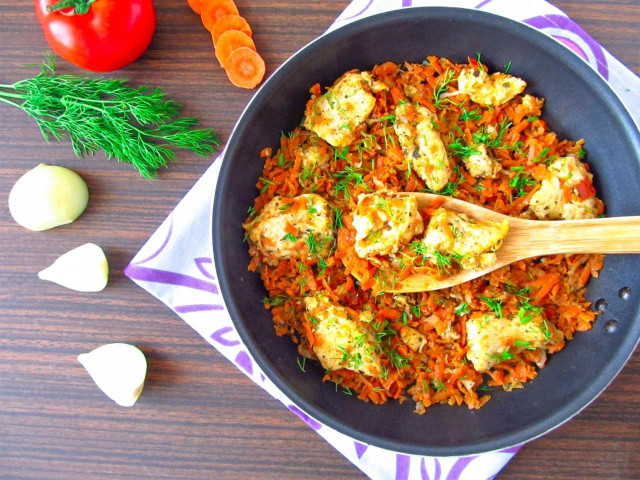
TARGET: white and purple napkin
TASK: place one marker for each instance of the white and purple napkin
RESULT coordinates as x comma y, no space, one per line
175,265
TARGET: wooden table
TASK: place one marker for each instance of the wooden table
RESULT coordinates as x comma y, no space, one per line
199,417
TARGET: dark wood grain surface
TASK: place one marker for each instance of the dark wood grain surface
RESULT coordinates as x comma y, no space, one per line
199,417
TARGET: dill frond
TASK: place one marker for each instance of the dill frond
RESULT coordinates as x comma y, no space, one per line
140,125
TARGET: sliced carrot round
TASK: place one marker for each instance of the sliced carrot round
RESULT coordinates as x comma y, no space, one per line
212,10
196,5
245,67
230,22
230,41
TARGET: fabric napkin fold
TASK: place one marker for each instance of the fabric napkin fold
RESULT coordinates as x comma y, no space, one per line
175,265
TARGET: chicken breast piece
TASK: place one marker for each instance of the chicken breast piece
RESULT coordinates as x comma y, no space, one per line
492,340
315,154
335,115
548,203
532,105
413,338
344,342
473,242
423,148
293,227
495,89
481,164
374,82
384,222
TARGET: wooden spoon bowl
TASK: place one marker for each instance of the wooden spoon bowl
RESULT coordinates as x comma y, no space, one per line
530,238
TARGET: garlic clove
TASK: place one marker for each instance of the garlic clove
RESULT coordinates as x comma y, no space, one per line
48,196
119,370
84,269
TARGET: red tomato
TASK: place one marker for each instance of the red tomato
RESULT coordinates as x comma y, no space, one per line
110,35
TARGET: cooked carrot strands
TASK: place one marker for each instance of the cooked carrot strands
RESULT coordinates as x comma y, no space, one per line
435,366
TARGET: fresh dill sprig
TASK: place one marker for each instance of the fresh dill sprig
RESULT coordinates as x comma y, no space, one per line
520,181
494,304
460,148
135,125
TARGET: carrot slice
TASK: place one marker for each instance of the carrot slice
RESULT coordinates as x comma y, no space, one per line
212,10
230,22
244,67
230,41
196,5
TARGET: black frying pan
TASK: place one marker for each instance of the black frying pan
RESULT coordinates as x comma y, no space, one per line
579,105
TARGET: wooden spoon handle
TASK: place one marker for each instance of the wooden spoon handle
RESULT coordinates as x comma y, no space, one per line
598,235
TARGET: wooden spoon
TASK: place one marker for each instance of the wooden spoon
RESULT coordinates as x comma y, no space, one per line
531,238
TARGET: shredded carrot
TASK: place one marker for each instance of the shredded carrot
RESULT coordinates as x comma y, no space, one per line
435,367
545,284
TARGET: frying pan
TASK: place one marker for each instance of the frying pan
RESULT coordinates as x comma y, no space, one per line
579,104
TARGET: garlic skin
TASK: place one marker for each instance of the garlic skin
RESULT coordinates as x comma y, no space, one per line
84,269
118,369
48,196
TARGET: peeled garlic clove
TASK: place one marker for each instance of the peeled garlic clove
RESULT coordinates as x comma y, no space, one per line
84,269
119,370
48,196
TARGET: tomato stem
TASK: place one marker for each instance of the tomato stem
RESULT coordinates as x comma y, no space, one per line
79,7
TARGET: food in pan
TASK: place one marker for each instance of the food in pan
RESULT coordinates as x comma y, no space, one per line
330,233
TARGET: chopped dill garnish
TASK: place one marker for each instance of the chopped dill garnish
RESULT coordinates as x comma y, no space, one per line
520,181
447,78
443,262
460,148
494,304
397,360
349,177
312,243
267,183
275,301
472,115
505,355
438,384
337,218
291,237
541,155
301,364
391,117
462,309
310,207
322,266
341,153
523,343
526,311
